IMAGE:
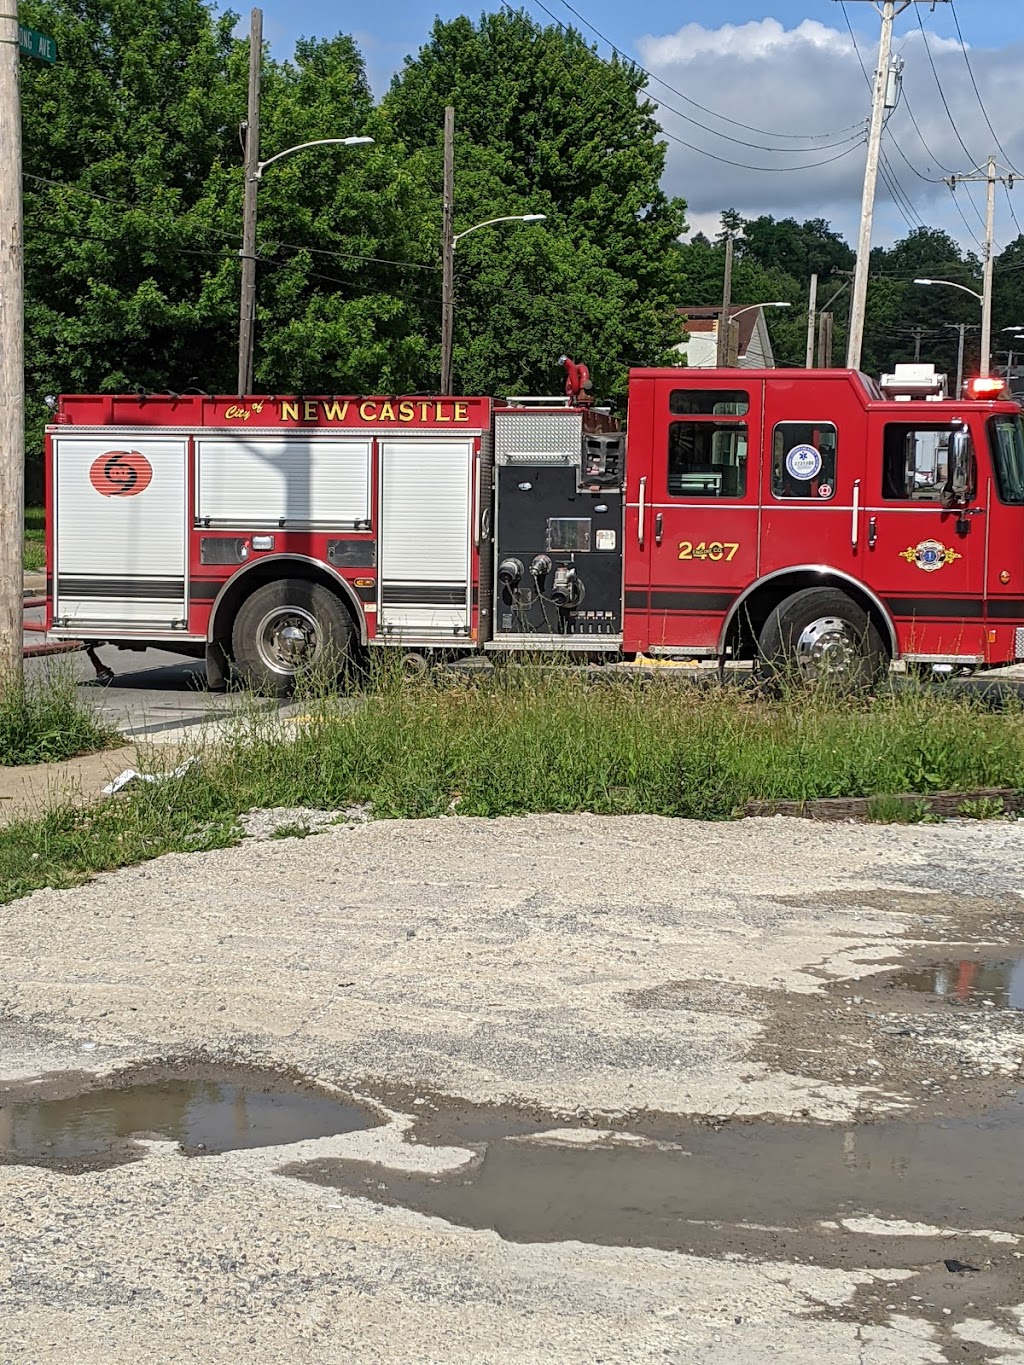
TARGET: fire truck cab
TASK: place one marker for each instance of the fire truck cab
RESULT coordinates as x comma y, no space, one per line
807,517
810,515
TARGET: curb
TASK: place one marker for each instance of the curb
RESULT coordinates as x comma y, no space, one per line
861,807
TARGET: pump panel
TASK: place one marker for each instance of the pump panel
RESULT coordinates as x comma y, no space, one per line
558,533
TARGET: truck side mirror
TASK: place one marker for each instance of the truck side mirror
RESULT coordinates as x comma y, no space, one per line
960,482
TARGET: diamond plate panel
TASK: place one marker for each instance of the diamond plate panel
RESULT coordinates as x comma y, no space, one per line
1018,642
538,438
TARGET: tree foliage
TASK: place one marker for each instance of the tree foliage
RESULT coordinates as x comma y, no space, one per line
544,126
133,207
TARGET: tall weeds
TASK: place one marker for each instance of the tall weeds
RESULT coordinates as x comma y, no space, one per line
526,740
44,721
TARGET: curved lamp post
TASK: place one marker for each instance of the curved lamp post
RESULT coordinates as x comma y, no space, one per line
985,331
745,309
448,245
254,169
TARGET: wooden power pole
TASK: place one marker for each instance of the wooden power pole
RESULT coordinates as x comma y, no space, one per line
989,174
884,94
812,304
247,310
12,356
724,329
448,251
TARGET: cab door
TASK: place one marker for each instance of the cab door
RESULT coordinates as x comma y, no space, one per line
814,468
701,496
925,559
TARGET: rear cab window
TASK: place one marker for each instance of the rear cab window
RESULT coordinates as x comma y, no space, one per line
708,449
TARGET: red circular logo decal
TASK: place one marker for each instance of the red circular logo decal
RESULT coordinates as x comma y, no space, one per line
120,473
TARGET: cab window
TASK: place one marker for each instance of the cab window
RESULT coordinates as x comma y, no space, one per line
915,462
804,460
707,454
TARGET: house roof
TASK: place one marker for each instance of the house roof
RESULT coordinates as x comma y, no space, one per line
705,319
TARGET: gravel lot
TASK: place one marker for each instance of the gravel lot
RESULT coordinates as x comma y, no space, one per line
631,975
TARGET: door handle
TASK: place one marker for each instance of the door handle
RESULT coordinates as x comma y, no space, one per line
658,524
872,532
854,528
641,511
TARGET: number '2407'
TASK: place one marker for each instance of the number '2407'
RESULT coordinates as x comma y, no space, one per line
708,549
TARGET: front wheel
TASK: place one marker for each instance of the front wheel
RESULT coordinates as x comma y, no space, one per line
288,630
821,635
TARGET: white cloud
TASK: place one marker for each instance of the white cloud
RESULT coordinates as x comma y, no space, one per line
808,80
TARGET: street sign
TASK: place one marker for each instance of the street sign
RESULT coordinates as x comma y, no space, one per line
38,45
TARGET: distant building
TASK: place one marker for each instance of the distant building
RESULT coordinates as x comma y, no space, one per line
755,347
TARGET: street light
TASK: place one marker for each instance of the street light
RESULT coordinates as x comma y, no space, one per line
261,166
985,362
449,242
1016,332
254,169
952,284
745,309
508,218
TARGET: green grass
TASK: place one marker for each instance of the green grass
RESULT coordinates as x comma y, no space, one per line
34,556
44,721
541,740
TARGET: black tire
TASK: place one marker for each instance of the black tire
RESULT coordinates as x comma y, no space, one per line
819,635
319,643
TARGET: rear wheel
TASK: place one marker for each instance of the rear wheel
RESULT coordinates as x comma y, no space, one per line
821,635
290,629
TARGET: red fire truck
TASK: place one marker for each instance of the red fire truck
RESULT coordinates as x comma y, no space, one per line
804,516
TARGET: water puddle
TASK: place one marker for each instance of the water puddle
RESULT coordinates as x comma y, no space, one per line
215,1112
681,1189
969,980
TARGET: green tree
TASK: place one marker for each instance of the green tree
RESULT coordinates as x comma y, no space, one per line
543,125
119,139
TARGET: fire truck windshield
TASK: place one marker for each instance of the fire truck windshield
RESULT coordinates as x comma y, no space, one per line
1006,435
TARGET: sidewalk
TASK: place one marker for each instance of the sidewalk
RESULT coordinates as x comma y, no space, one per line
29,792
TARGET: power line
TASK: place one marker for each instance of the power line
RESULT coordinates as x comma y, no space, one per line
1009,205
805,137
917,130
956,204
702,151
900,198
981,102
938,86
181,220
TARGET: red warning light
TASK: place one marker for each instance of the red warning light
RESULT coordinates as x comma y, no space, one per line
987,387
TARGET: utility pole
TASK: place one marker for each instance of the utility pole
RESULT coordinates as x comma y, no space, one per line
824,341
812,304
884,96
992,178
724,329
448,250
12,358
986,287
247,312
961,328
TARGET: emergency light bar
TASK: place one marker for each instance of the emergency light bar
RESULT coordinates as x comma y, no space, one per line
989,386
913,381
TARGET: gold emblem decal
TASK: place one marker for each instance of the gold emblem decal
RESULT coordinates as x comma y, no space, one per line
929,555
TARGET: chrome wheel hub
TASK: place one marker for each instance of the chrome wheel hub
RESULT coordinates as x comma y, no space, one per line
827,647
288,639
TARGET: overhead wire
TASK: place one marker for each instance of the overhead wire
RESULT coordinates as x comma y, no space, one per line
702,151
179,219
974,83
764,132
904,204
938,86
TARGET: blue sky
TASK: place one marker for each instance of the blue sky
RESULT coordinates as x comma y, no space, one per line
781,66
402,24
